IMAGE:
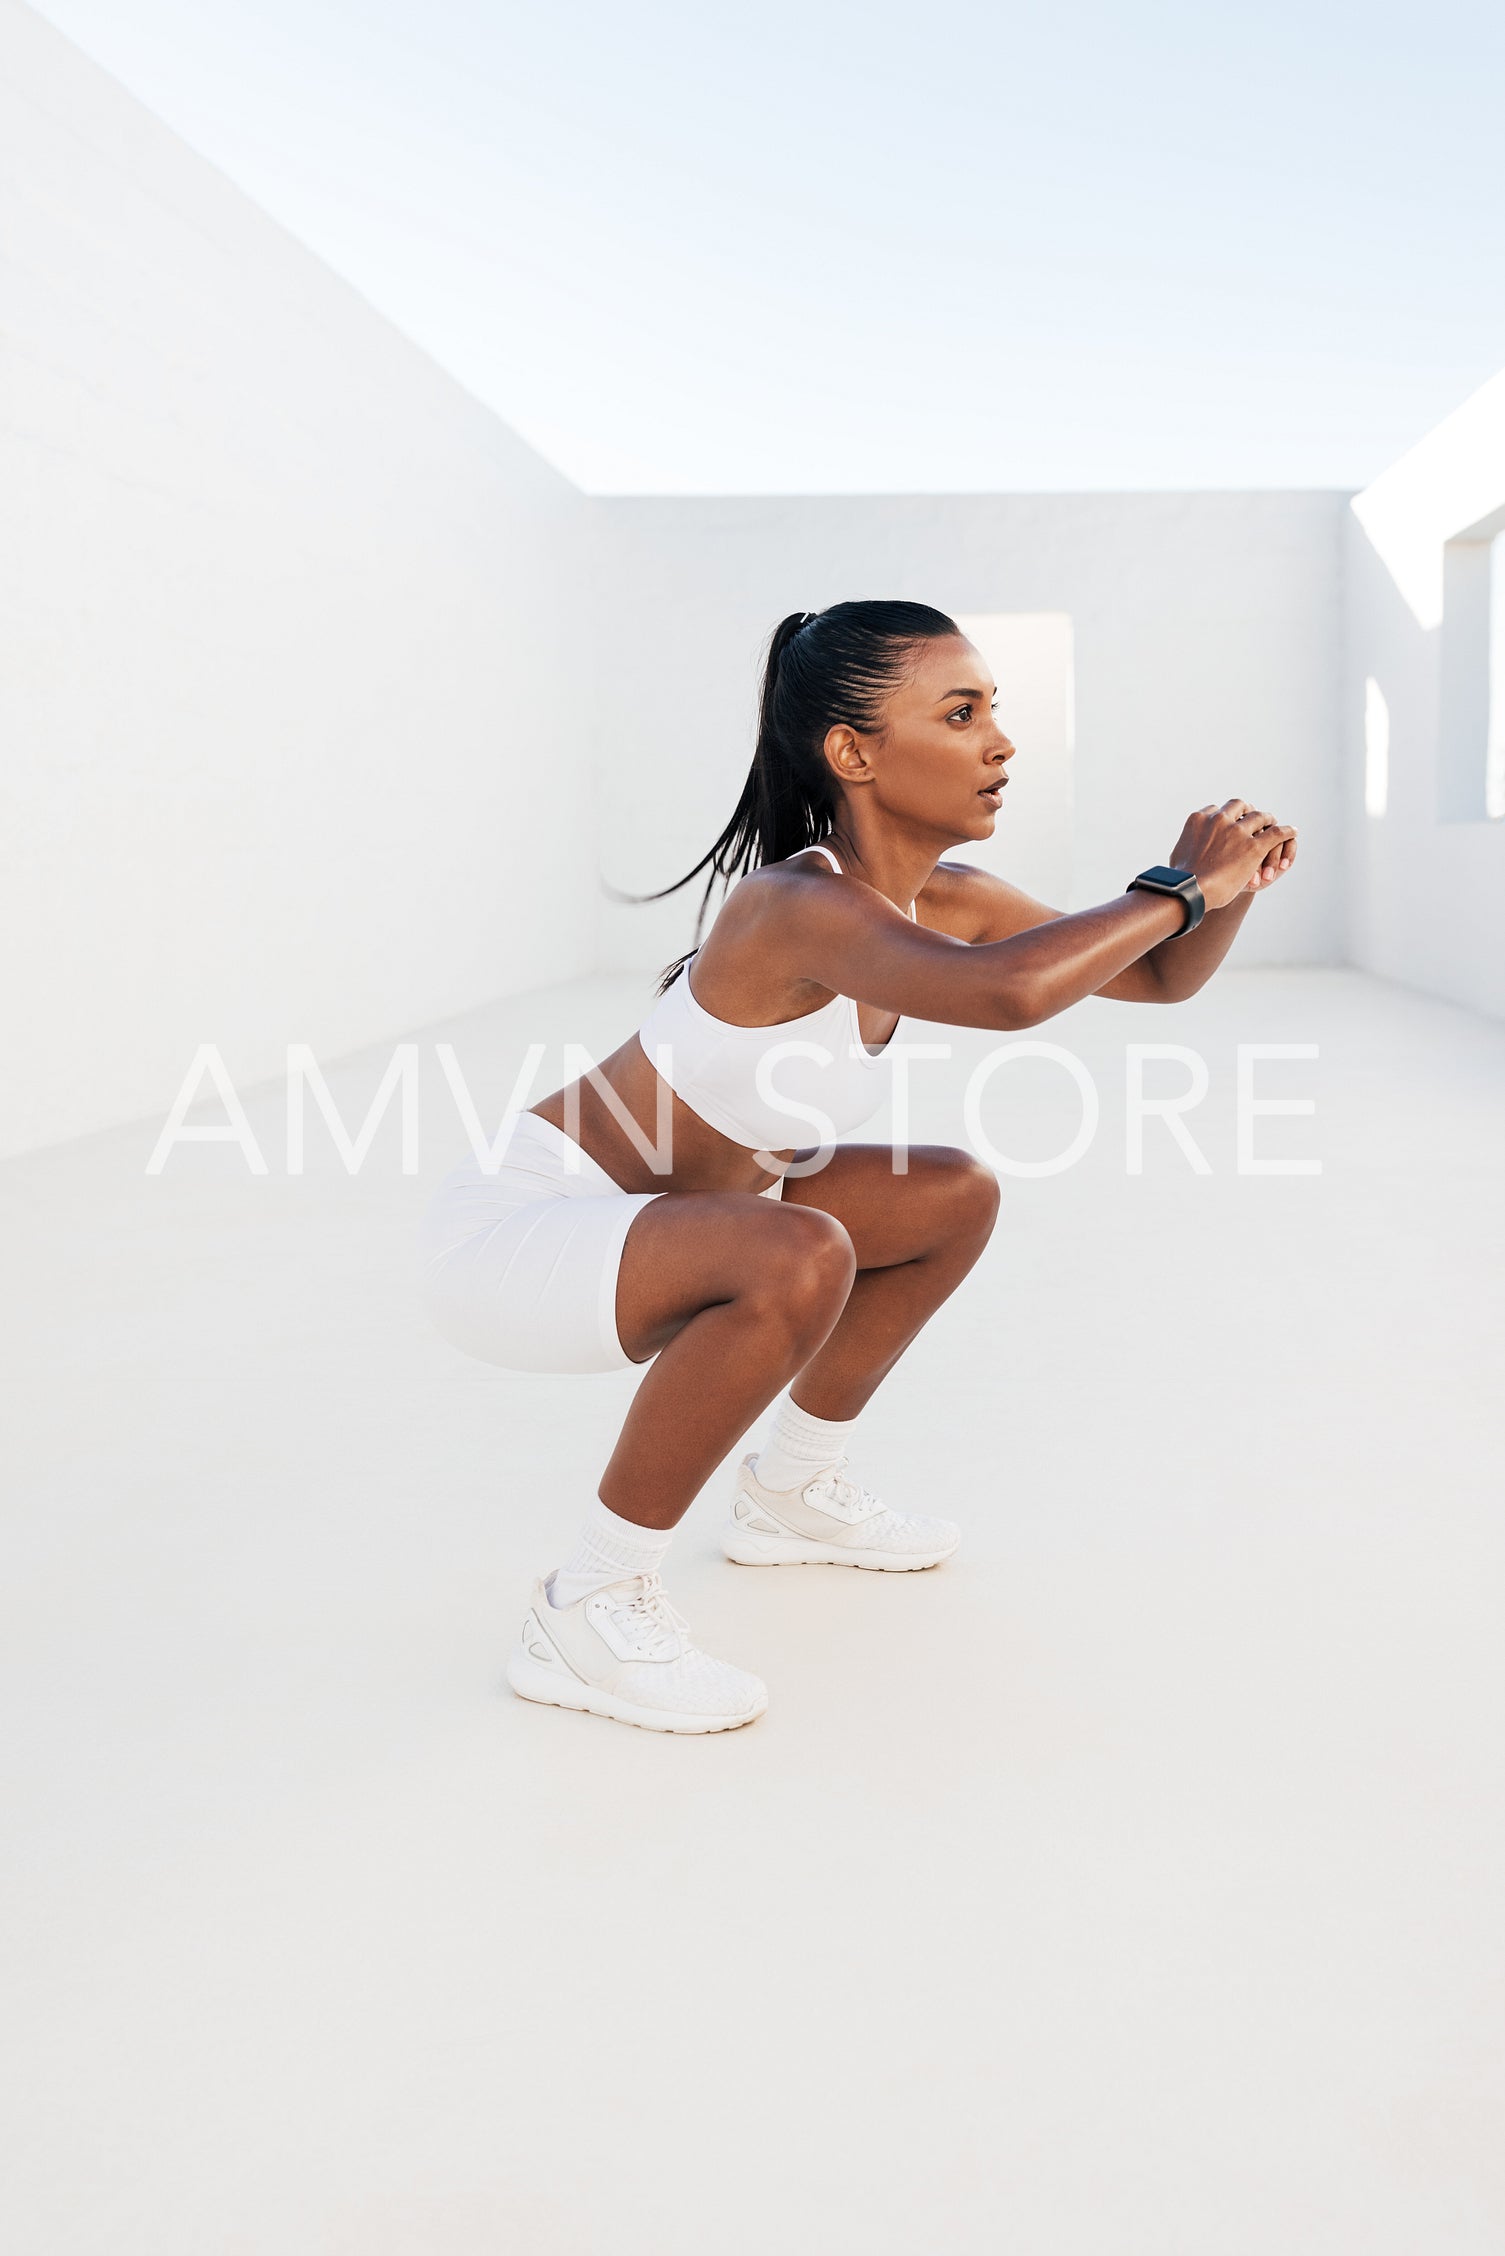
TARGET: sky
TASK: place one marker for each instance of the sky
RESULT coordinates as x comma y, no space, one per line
813,246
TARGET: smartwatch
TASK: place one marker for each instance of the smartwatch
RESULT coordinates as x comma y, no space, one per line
1179,882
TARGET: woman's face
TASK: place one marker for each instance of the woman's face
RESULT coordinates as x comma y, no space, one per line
938,762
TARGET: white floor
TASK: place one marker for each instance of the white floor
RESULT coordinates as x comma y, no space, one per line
1130,1886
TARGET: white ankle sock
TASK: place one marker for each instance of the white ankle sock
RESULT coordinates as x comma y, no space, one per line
609,1550
799,1446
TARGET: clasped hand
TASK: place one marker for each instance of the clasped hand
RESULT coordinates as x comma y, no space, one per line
1233,849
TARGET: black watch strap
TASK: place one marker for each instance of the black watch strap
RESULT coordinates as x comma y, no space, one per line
1179,882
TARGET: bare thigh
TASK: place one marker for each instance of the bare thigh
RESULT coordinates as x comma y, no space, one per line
913,1236
693,1250
734,1296
946,1195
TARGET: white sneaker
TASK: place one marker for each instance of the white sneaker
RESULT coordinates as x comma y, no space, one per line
625,1652
830,1522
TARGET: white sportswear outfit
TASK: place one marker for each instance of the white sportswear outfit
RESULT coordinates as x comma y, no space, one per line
519,1267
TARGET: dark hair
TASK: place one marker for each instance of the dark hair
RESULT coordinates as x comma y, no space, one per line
823,668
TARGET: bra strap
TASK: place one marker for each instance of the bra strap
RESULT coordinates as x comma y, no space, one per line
835,864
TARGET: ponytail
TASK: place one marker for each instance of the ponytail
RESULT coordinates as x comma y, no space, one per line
823,667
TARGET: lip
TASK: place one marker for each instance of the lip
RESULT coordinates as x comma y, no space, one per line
994,791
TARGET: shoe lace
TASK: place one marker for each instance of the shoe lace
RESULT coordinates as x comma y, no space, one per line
660,1626
838,1487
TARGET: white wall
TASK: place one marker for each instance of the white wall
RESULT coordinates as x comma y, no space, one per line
1206,633
1029,655
323,699
1426,893
289,623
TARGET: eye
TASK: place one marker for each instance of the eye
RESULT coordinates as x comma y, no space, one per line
962,713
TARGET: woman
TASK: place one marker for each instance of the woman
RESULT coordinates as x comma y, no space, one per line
657,1211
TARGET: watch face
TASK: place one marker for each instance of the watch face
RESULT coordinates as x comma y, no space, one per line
1160,875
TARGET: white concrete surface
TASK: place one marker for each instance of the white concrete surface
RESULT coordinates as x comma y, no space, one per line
284,616
1130,1884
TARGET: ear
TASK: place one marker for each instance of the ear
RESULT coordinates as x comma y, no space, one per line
846,755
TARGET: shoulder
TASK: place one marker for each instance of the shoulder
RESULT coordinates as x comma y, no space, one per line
783,930
972,904
784,895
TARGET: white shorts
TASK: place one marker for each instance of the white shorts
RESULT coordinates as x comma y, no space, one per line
520,1267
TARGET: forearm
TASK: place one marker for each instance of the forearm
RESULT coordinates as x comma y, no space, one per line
1185,963
1008,984
1039,973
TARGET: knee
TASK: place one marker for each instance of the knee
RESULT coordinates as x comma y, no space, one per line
968,1192
806,1271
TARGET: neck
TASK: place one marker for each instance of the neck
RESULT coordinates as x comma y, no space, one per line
892,862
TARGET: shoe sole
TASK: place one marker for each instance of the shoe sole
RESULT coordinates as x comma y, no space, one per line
775,1551
536,1680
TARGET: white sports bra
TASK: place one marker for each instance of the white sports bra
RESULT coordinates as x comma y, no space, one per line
768,1087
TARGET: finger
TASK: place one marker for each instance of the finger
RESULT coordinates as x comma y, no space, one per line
1277,860
1232,808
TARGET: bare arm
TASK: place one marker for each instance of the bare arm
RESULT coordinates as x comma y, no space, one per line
877,956
1168,972
977,906
848,938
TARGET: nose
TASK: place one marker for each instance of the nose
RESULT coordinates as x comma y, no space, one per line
1005,748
